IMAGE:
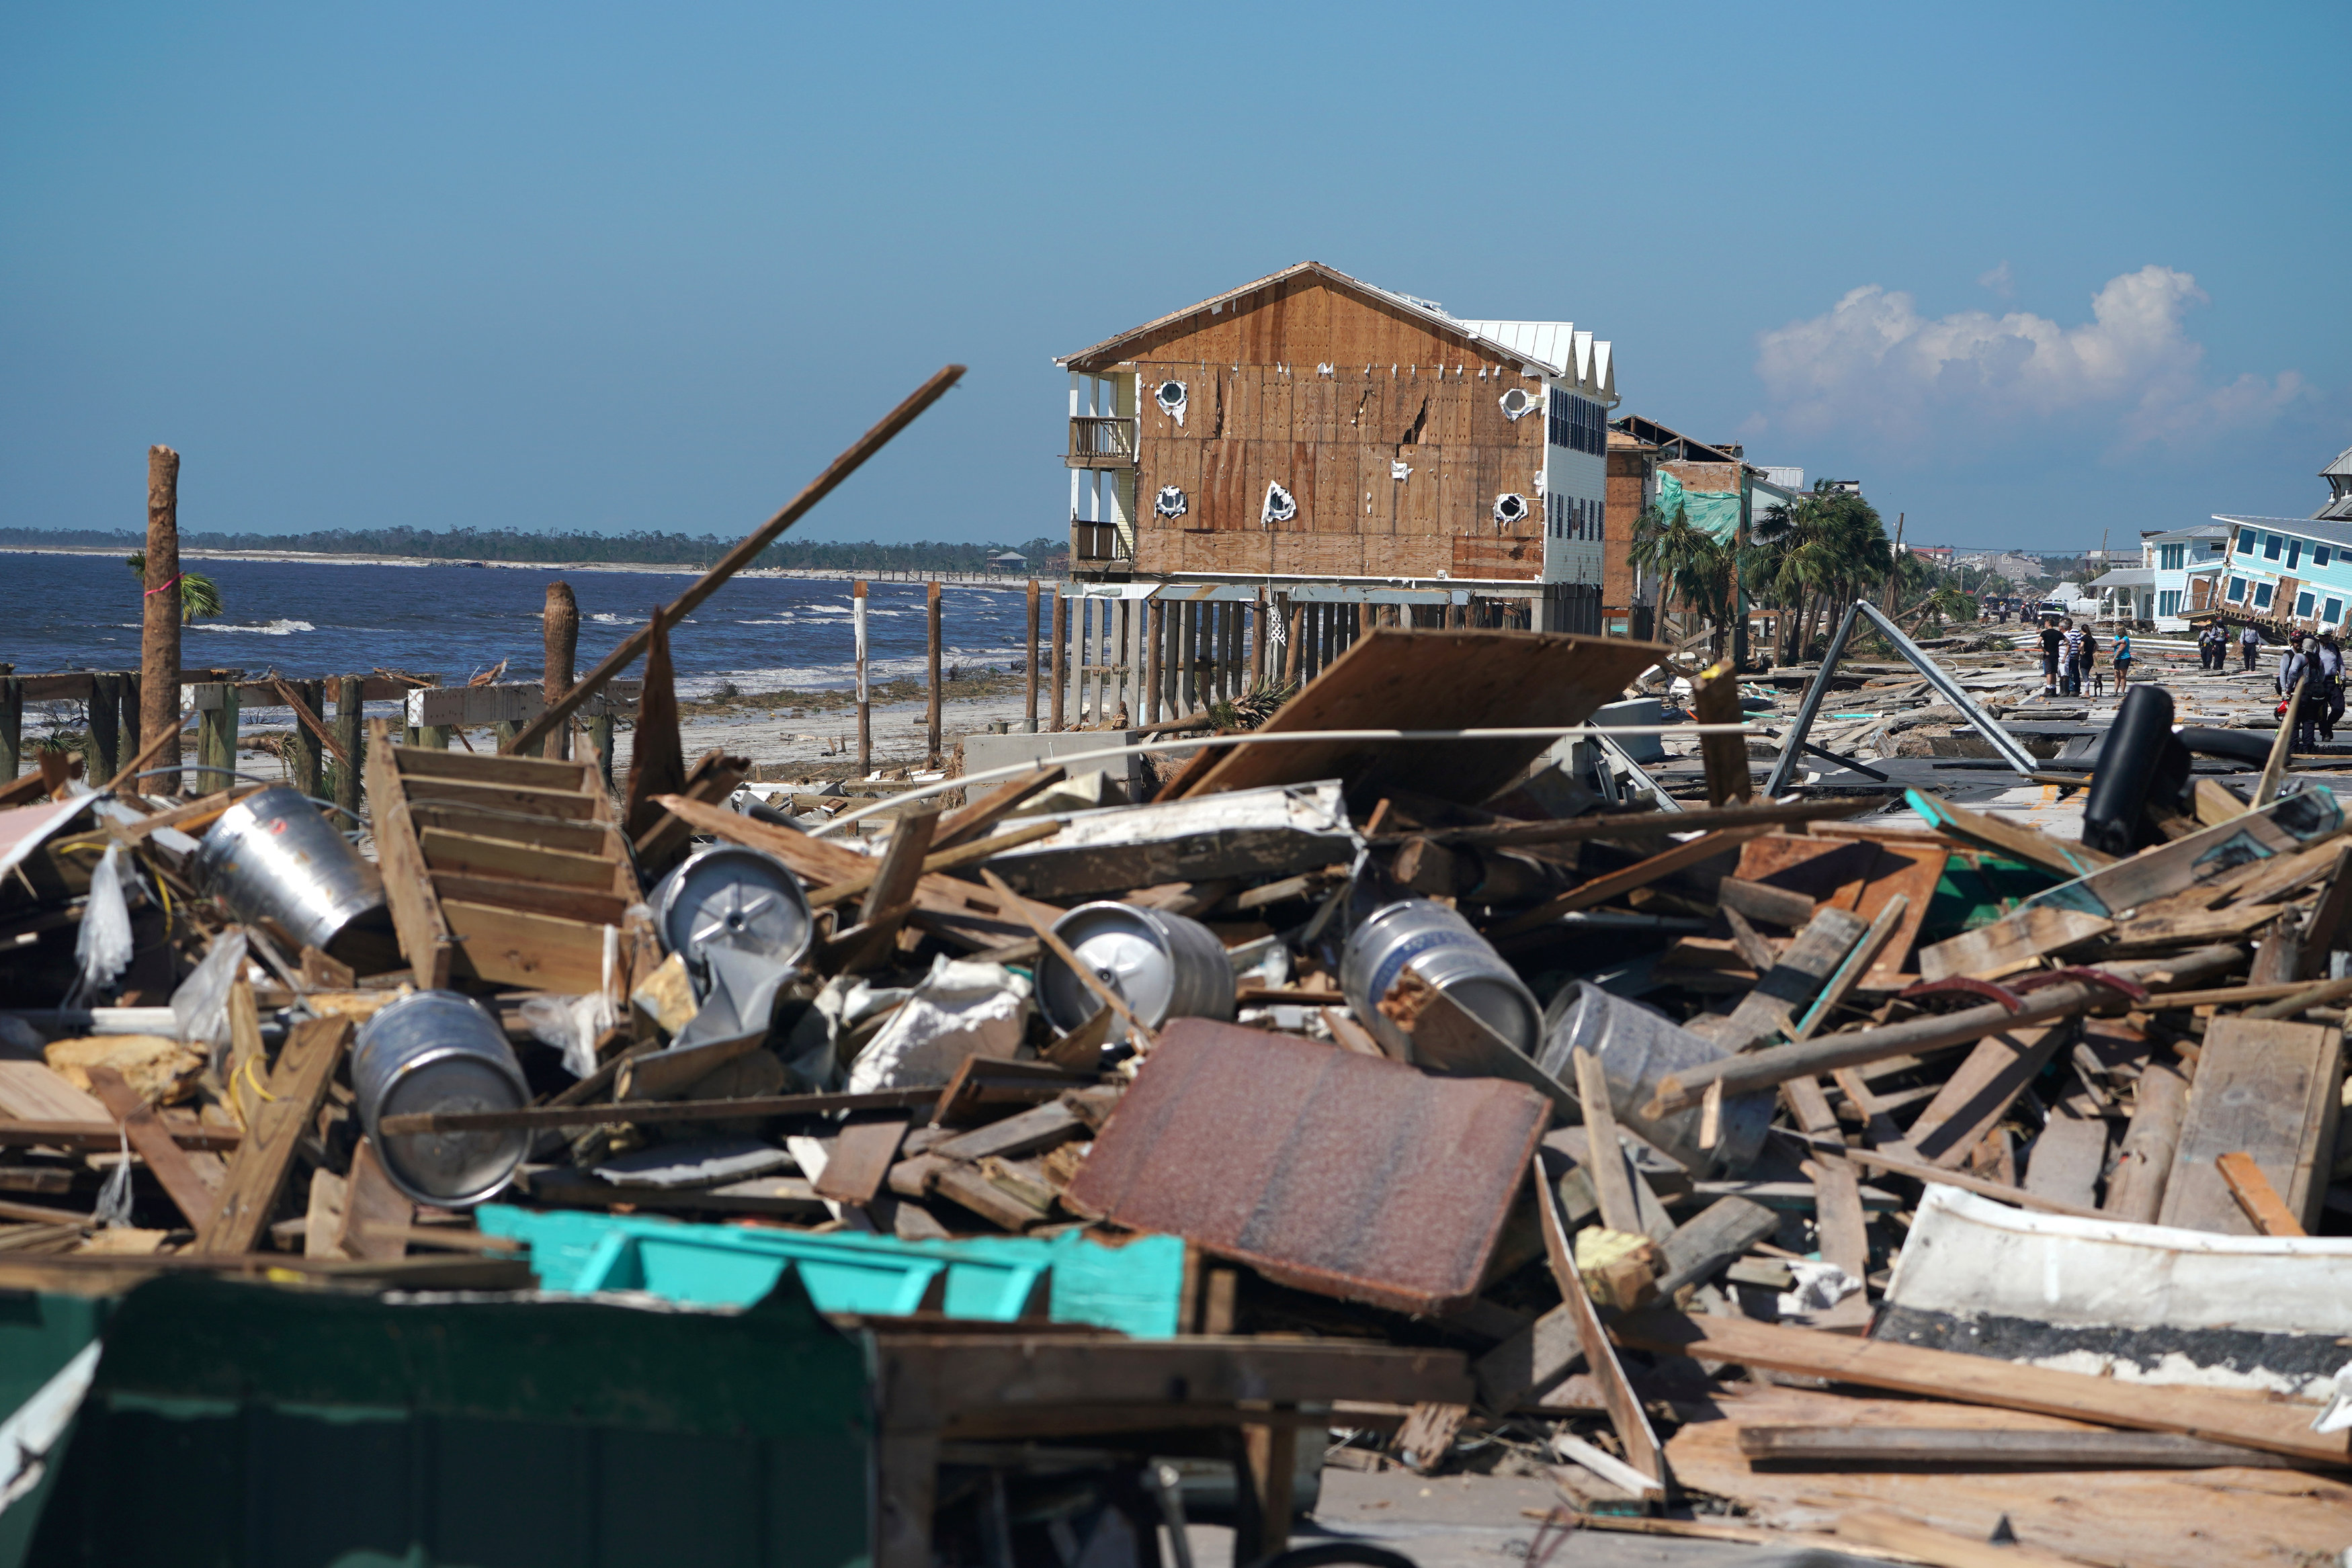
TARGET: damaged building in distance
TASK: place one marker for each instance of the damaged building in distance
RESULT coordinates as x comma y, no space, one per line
1330,440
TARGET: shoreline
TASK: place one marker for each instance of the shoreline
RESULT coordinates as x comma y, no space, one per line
319,558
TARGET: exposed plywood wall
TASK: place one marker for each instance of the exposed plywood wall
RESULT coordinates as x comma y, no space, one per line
1260,408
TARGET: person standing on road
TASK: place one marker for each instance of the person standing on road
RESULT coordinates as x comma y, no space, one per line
2304,707
2209,645
2070,661
2331,677
2052,640
2123,660
2250,643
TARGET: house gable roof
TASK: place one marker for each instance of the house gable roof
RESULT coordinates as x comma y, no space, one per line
1552,347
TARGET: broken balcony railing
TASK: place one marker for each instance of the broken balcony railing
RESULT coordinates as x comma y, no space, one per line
1099,441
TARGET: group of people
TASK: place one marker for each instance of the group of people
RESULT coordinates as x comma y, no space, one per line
2068,654
2214,647
2321,659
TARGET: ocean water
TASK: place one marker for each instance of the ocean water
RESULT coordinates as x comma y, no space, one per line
304,619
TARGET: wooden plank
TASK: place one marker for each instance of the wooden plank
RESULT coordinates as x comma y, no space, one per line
2231,924
588,838
1714,699
2215,1415
36,1091
1850,968
520,947
485,770
970,822
104,1134
1941,1548
1976,1097
1859,873
447,851
1723,1230
2008,1448
2283,828
155,1146
2268,1089
858,1158
2067,1160
2259,1200
1642,873
2011,945
588,905
957,858
1625,1413
257,1171
558,805
1612,1184
424,937
2028,844
1794,982
375,1215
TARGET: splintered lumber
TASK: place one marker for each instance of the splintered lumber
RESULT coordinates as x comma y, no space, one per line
25,1133
2010,1447
1940,1548
528,739
955,858
1919,1170
648,1112
2011,945
164,1156
2214,1415
968,823
1762,901
2271,1091
424,937
1976,1097
2028,844
1612,1184
2281,827
1723,1230
257,1171
1634,1434
1642,873
1636,825
1714,699
1796,981
969,916
1850,968
1778,1064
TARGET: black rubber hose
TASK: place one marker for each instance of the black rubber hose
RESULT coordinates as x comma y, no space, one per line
1337,1552
2237,745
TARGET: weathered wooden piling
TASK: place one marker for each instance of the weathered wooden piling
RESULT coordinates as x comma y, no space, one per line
105,711
600,737
931,625
560,633
865,702
158,621
350,734
1059,665
1155,635
306,766
12,727
216,705
1030,642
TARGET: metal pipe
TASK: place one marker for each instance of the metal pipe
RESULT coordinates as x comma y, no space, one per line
1792,747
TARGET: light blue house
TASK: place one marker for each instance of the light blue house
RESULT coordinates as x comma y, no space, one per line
2292,574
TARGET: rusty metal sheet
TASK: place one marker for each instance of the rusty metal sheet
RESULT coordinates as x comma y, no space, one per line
1352,1175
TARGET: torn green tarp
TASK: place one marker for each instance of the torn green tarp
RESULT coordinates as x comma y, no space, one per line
1716,511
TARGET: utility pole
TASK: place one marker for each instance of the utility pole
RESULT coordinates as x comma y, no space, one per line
1894,576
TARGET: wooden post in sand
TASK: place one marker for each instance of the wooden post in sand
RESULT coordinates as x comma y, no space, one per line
1155,637
350,734
158,621
12,727
1030,642
1061,628
931,612
560,635
865,703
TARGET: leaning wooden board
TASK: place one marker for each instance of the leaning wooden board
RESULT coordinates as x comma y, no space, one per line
2265,1088
2284,827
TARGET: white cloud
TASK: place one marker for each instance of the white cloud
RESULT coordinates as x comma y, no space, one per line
1873,362
1998,280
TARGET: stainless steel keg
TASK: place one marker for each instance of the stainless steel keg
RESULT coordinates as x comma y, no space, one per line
729,895
1448,954
436,1051
1161,965
1639,1048
274,853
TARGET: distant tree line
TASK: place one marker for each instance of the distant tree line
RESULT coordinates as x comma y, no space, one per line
642,547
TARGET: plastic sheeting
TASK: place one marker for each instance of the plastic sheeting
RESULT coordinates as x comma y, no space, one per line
1716,511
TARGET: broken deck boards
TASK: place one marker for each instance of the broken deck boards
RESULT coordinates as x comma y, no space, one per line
2265,1088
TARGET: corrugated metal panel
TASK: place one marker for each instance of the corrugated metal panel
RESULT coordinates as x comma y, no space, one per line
1549,343
1355,1177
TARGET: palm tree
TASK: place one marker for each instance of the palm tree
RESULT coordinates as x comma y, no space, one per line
1827,549
1696,565
199,594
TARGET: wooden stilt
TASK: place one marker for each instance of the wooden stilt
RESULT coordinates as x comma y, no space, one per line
1030,634
350,734
306,766
560,639
159,621
865,696
931,626
1155,637
105,713
1056,661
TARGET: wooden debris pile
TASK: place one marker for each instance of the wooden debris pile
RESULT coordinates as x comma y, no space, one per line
1776,1174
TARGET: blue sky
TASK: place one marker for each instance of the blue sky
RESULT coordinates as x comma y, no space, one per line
2031,272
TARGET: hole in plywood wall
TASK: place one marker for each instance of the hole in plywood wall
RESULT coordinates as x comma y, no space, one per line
1170,502
1518,403
1170,396
1510,507
1280,506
